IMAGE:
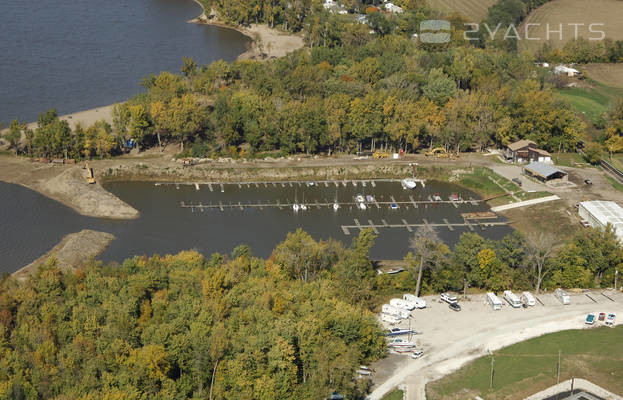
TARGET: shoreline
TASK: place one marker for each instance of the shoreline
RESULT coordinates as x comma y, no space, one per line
73,251
266,42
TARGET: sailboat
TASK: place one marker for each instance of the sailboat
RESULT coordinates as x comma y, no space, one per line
295,206
303,206
336,205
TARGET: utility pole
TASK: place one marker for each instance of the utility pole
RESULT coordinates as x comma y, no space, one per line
558,378
616,276
491,377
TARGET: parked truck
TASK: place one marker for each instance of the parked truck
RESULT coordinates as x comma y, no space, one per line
419,303
494,301
528,299
562,296
395,311
511,299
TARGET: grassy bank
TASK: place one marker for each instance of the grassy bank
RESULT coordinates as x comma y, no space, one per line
395,395
531,366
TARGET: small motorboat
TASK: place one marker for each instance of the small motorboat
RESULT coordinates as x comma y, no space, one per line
436,197
393,206
303,207
359,198
408,184
295,207
369,198
399,331
454,197
310,183
336,206
390,270
362,206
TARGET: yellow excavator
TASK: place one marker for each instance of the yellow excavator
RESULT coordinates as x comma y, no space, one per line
438,152
90,175
379,155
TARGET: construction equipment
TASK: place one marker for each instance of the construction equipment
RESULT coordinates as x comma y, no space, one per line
439,152
90,175
378,155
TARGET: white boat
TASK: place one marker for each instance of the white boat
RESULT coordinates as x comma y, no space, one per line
336,206
408,184
359,198
370,198
362,206
400,343
295,207
303,207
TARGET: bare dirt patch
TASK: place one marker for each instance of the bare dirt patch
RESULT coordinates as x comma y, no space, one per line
608,74
74,251
475,10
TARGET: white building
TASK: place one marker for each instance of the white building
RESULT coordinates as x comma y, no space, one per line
601,213
564,70
391,7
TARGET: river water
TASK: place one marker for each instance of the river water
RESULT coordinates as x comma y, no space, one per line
31,224
75,55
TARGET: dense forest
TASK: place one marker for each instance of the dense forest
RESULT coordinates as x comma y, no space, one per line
294,326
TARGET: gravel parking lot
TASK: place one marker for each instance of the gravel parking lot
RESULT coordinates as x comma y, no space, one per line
450,339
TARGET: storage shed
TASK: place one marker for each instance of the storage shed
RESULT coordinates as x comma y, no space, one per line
544,172
601,213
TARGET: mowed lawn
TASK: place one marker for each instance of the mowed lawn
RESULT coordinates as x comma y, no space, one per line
395,395
593,102
474,10
531,366
565,12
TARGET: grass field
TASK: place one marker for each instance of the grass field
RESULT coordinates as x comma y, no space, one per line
556,12
531,366
593,101
395,395
607,74
475,10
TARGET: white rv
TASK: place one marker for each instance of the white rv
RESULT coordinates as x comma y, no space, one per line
494,301
395,311
404,304
511,299
419,303
562,296
528,299
390,319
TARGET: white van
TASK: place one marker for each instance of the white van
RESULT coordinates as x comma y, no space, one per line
390,319
494,301
419,303
528,299
511,299
395,311
562,296
404,304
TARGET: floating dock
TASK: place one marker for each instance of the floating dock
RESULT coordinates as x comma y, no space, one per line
450,226
326,183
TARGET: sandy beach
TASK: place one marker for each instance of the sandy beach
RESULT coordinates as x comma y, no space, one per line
267,42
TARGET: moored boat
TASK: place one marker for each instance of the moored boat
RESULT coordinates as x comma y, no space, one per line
408,184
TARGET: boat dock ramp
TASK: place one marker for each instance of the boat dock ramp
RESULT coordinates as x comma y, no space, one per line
410,227
220,186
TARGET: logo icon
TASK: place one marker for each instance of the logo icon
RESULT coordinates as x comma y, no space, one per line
435,31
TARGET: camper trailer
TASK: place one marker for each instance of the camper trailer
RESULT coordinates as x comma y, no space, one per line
419,303
403,304
562,296
390,319
494,301
528,299
395,311
511,299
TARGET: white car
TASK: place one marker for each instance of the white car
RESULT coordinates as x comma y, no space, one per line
448,298
610,319
417,354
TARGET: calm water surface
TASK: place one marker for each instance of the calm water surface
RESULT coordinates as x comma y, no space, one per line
31,224
79,54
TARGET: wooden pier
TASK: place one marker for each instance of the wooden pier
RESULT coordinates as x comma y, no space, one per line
450,226
311,183
325,204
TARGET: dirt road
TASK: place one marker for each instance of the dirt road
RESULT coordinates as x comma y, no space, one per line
451,339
